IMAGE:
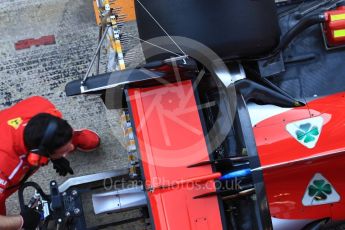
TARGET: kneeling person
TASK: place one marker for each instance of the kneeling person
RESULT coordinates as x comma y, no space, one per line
34,133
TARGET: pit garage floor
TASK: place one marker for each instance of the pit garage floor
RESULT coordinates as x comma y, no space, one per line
44,70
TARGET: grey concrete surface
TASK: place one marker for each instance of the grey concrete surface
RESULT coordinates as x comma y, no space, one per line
45,70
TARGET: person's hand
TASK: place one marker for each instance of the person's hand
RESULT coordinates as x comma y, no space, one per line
62,166
31,219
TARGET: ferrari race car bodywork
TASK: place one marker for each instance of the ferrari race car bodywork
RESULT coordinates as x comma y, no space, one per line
305,184
301,154
166,136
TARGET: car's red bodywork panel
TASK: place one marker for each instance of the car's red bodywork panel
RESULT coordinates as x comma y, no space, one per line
289,166
170,137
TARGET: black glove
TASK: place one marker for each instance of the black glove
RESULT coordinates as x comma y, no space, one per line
31,219
62,166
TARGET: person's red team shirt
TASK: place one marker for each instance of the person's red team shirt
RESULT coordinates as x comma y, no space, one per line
13,153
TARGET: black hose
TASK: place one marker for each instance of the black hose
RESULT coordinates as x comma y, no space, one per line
297,29
251,90
302,25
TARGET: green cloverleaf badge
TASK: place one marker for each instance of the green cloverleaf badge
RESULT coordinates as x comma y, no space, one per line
306,132
320,191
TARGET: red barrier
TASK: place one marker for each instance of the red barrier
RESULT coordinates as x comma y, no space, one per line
27,43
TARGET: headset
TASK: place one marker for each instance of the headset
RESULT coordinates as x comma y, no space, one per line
40,156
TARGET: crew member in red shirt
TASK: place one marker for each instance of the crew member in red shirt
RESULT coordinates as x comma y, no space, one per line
32,133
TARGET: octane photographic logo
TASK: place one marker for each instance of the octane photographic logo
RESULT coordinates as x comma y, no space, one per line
110,184
171,105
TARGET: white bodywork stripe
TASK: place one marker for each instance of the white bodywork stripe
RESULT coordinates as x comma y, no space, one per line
313,157
260,113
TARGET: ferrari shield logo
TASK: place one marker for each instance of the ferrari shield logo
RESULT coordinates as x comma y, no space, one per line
15,123
320,191
306,132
